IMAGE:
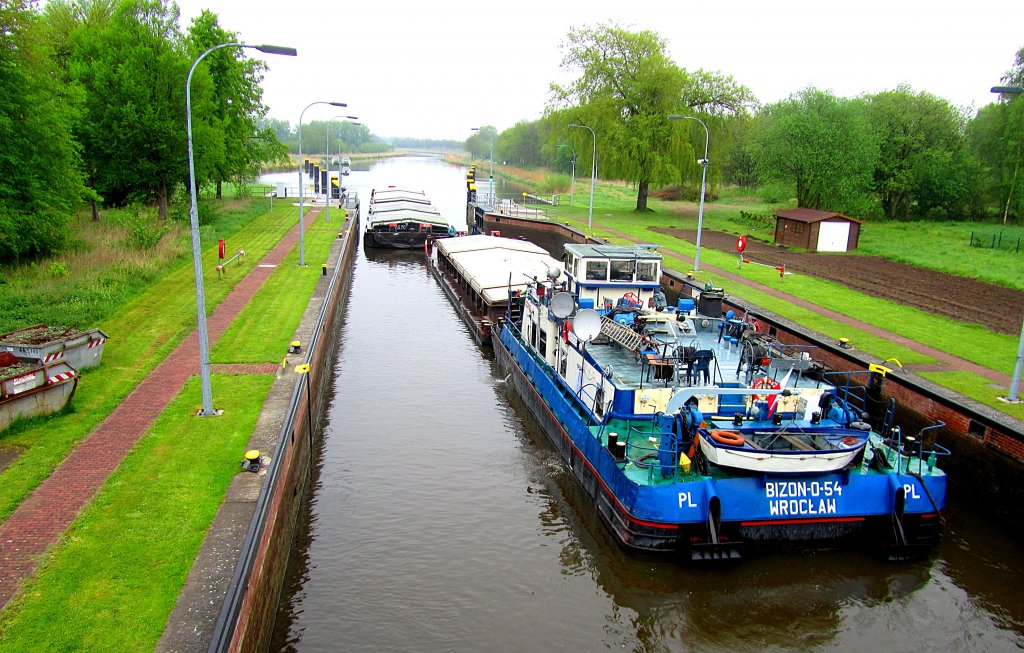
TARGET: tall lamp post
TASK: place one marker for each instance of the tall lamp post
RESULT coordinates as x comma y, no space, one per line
572,187
302,241
197,261
490,178
703,179
327,204
1015,381
593,173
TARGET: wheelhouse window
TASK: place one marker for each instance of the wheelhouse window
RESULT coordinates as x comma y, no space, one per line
597,270
647,271
622,270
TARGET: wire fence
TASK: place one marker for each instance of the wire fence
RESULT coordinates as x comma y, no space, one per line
996,241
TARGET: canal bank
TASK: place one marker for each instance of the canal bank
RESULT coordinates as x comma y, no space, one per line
230,596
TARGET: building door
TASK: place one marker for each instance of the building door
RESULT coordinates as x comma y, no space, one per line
833,236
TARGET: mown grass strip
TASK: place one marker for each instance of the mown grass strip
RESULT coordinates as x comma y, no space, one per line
252,337
113,580
142,334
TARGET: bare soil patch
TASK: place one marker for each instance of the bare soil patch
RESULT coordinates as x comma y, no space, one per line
968,300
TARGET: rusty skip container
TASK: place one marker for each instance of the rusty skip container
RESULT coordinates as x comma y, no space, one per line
30,389
45,344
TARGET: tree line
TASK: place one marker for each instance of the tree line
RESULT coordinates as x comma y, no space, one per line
92,109
895,154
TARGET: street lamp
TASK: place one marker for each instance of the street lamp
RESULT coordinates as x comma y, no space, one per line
327,204
302,241
1015,381
197,261
703,178
593,173
490,178
572,188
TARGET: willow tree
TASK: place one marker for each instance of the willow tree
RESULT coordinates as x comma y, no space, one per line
625,88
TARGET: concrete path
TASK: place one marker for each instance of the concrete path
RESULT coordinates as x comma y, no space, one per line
39,521
946,362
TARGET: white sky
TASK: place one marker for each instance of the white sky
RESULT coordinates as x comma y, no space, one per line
435,68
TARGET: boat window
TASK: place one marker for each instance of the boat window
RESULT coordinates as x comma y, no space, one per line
622,270
646,270
597,270
542,342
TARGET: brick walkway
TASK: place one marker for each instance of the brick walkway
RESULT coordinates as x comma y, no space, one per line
39,521
946,361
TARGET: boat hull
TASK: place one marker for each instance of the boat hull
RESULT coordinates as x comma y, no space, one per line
711,517
401,240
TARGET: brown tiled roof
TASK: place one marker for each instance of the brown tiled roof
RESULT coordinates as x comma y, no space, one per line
811,215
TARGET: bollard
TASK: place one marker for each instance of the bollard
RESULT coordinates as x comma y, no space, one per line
295,347
251,463
323,272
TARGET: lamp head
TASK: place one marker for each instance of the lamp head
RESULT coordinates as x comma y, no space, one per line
277,49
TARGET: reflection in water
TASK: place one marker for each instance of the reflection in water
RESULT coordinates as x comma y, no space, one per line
441,519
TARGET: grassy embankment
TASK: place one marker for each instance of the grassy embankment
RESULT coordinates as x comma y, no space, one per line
112,581
940,246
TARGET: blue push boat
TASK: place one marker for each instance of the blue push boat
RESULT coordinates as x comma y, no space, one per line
697,433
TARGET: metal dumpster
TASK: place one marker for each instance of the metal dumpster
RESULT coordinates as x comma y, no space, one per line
30,389
45,344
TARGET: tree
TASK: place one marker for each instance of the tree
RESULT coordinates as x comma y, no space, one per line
922,164
227,103
995,144
132,68
626,87
481,143
521,144
40,179
820,143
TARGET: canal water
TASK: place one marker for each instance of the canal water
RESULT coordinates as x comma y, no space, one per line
440,519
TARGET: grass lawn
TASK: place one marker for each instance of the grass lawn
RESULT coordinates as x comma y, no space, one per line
142,333
114,578
252,337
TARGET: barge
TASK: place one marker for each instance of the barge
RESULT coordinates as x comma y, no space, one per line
475,272
403,219
698,435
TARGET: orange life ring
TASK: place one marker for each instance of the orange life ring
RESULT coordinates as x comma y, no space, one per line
566,328
757,326
850,440
731,438
764,383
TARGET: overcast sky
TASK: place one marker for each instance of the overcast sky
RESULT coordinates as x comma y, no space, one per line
436,68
